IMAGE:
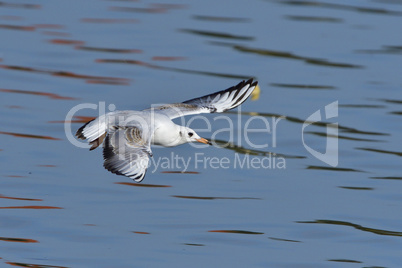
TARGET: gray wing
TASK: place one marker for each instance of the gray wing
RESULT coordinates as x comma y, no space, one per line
126,152
214,103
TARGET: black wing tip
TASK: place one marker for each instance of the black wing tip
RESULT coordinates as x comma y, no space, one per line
135,177
243,83
138,178
254,84
80,133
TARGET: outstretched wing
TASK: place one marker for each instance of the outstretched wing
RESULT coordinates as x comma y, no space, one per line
214,103
126,152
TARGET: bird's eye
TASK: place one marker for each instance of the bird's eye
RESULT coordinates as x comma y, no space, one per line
190,134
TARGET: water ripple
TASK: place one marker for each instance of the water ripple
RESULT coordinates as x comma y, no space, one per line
20,240
367,10
356,226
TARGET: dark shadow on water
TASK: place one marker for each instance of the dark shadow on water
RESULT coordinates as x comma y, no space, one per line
387,178
236,232
214,198
167,58
345,260
17,27
108,50
151,9
303,86
394,50
142,185
18,5
31,136
30,207
356,226
66,42
20,240
360,9
363,106
314,19
217,34
19,198
180,172
220,19
396,112
324,134
334,169
390,101
108,21
381,151
284,240
356,188
194,245
30,265
140,232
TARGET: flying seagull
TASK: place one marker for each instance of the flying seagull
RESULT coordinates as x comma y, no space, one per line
127,135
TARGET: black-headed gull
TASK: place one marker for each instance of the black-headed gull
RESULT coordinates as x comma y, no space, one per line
128,135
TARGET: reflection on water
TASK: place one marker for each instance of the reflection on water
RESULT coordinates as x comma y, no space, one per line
362,9
334,168
20,198
140,232
152,8
236,232
296,86
195,245
108,21
46,94
16,27
21,264
220,19
18,5
142,185
163,58
314,19
30,207
31,136
20,240
108,50
213,198
381,151
387,178
345,260
324,134
356,188
66,42
180,172
284,240
217,34
356,226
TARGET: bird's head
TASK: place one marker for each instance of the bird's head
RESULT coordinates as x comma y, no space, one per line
187,134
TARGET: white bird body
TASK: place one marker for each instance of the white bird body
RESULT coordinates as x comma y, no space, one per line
128,135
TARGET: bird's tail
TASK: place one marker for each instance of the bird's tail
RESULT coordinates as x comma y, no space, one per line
94,131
